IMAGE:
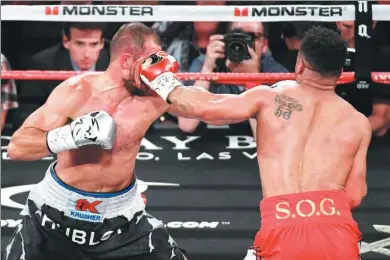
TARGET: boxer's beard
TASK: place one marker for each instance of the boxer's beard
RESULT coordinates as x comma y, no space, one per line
131,87
134,87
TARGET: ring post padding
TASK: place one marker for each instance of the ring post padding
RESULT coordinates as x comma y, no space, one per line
363,46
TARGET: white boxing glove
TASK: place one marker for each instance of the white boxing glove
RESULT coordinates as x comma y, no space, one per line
96,128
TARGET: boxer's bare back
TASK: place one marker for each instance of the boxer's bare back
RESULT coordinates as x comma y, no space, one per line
91,168
308,140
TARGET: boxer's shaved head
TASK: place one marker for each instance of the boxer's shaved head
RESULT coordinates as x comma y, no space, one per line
132,44
324,51
131,38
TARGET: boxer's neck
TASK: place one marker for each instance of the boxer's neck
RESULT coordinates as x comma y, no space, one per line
313,80
113,76
315,86
106,83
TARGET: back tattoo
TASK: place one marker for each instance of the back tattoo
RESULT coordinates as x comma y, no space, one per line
286,105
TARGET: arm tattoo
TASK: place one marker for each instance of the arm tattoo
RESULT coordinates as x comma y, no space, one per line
183,107
286,105
174,98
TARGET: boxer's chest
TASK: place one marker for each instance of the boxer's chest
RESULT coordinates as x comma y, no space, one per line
129,116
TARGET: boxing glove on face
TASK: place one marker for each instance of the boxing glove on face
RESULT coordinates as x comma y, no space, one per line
157,72
96,128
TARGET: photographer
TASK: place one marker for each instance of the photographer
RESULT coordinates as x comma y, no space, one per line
292,35
243,50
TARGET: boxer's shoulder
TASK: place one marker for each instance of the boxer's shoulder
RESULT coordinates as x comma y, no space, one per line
352,118
80,86
277,86
80,82
284,84
364,123
349,111
281,87
70,95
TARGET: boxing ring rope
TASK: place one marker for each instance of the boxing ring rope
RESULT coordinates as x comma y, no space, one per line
247,79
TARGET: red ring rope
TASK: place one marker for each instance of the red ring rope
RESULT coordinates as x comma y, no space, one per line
227,78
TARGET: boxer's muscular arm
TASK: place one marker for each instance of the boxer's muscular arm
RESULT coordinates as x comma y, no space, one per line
194,102
178,112
28,143
356,186
217,109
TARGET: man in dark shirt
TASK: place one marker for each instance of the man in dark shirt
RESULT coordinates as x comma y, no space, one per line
215,60
292,35
83,48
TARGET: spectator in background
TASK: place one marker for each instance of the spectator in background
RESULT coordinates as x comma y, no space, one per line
292,35
215,60
373,107
8,93
84,42
347,31
380,117
186,41
83,48
39,35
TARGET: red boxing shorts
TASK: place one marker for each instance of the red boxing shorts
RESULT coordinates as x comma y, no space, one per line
306,226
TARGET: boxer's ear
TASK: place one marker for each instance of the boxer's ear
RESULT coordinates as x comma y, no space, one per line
338,24
299,66
126,61
101,43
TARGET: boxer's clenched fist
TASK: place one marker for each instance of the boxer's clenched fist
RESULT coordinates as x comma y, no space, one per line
157,72
96,128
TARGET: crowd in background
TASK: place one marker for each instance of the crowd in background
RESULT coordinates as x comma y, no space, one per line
198,47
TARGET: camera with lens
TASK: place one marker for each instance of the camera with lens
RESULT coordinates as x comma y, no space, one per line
236,45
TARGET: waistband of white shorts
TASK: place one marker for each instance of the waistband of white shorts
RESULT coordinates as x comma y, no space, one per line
89,206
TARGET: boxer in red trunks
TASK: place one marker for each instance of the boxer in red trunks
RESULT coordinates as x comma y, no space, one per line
311,150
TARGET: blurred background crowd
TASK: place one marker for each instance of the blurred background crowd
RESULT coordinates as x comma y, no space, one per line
198,46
